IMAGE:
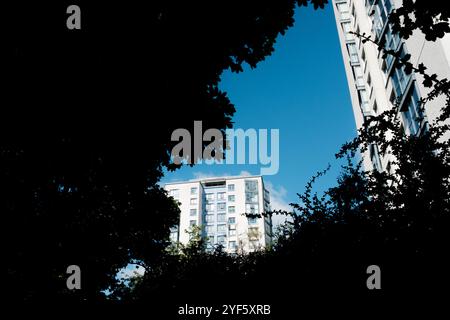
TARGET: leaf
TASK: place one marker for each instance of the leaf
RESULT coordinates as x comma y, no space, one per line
421,68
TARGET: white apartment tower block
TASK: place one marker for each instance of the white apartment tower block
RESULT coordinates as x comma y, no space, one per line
374,83
218,206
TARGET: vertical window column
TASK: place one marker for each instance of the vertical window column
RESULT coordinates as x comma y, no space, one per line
353,53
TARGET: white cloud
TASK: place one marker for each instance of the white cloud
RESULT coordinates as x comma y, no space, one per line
278,201
206,175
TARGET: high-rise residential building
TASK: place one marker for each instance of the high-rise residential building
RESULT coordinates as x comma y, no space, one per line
218,207
375,83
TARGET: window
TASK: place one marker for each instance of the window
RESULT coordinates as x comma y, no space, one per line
343,10
221,196
353,52
251,191
221,206
193,212
231,220
221,240
252,220
401,76
358,38
231,209
399,82
393,99
252,208
364,100
382,12
412,114
359,76
210,207
347,28
232,245
231,198
222,228
380,15
388,5
384,68
389,61
369,3
193,201
221,217
266,195
392,41
251,197
231,187
251,185
232,233
379,18
192,223
210,196
194,190
209,218
209,229
215,184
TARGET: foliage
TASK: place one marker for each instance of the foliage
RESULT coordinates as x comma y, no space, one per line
430,18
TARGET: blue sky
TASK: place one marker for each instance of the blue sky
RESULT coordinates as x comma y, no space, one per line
301,90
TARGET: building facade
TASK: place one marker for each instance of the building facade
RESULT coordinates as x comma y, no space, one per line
218,207
375,84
